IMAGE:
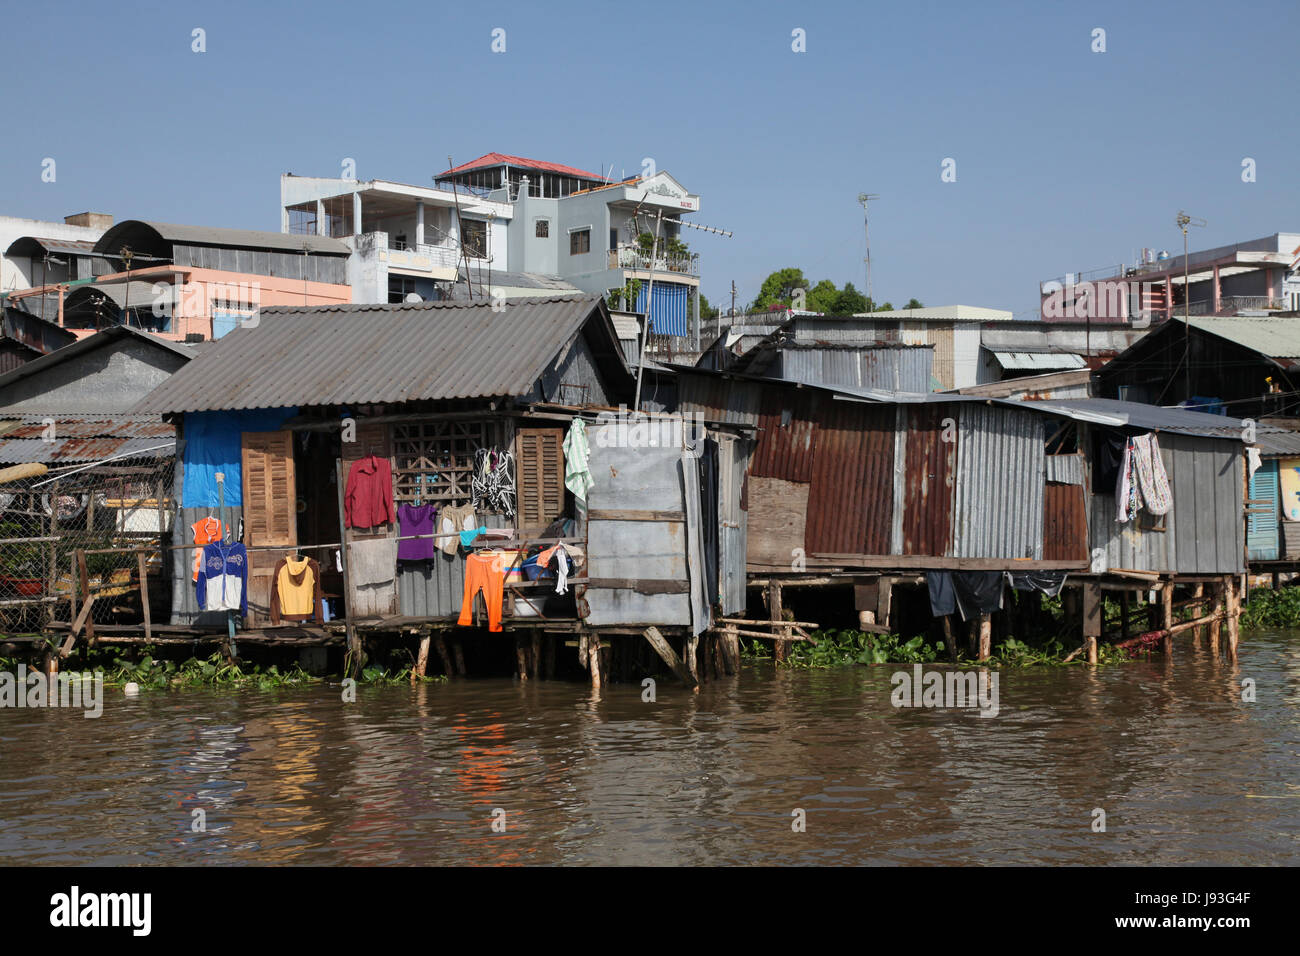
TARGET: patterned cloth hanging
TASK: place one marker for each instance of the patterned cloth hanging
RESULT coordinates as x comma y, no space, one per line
1143,481
493,484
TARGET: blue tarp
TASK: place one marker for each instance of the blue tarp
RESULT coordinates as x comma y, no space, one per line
670,309
212,444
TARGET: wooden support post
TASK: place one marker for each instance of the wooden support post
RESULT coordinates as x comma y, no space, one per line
422,658
692,660
776,614
1092,608
593,659
1124,601
986,636
459,653
731,638
1167,617
85,590
1198,610
973,628
949,640
349,630
669,656
440,644
884,599
719,661
1234,618
144,596
521,658
536,654
550,656
1220,608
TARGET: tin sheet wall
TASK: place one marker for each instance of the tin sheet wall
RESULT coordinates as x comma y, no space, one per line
927,481
733,521
999,483
851,497
636,532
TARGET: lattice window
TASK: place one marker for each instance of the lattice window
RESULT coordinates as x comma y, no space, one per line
434,461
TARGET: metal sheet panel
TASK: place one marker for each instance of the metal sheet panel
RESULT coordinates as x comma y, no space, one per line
928,482
999,483
1065,522
1207,516
1067,469
718,399
733,461
640,479
436,588
850,502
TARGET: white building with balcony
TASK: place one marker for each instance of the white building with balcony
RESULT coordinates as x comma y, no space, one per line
514,215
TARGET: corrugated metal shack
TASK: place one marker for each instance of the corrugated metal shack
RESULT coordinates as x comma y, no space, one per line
431,388
844,481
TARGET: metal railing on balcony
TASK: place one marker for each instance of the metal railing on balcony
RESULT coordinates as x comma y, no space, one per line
632,257
1231,305
423,255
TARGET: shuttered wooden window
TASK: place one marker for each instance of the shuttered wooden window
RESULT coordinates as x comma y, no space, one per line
270,495
539,464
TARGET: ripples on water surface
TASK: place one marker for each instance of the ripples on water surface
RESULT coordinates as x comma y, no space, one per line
1186,772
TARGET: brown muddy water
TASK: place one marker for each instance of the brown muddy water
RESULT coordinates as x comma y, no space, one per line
1185,770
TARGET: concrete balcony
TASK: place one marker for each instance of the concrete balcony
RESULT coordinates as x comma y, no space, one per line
628,256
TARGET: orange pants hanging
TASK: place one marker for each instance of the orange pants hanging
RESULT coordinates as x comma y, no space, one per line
483,571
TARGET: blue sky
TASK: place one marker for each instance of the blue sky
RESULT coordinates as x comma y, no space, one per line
1066,159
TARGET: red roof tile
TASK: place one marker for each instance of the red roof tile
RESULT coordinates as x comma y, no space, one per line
502,159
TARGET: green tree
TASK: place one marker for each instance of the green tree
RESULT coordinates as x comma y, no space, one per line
849,301
822,296
707,311
914,304
778,289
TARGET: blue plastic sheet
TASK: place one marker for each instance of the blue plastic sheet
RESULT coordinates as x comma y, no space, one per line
213,444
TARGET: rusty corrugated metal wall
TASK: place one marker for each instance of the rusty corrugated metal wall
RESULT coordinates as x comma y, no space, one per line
999,482
786,436
851,499
928,474
1065,523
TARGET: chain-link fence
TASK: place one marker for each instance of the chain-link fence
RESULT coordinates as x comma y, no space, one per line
76,532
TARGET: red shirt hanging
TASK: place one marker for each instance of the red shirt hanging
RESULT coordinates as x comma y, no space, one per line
369,498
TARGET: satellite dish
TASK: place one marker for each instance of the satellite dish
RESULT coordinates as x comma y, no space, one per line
412,298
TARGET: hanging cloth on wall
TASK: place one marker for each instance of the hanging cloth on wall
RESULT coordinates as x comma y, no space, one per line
368,498
483,572
493,482
1143,481
413,520
206,530
577,474
223,578
295,591
452,521
1049,582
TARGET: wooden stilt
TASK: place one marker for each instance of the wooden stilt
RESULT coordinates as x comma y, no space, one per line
973,627
692,660
440,644
669,656
885,600
1125,599
422,658
949,640
144,596
1167,618
776,614
459,654
593,659
731,638
536,655
521,658
1234,618
550,656
1220,608
1198,610
1092,608
986,636
719,660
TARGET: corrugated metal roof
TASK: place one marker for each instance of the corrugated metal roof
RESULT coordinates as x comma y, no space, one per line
1276,338
350,354
84,438
88,344
1039,361
110,242
30,246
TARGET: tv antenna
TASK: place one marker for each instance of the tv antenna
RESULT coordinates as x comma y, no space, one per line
866,198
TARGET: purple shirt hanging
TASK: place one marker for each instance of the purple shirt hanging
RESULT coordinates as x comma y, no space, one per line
415,519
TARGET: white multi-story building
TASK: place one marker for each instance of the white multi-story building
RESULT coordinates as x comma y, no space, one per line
515,225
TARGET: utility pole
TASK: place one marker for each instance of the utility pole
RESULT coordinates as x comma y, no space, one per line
1183,221
733,298
865,198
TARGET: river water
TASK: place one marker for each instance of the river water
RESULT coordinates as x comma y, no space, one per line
1184,769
